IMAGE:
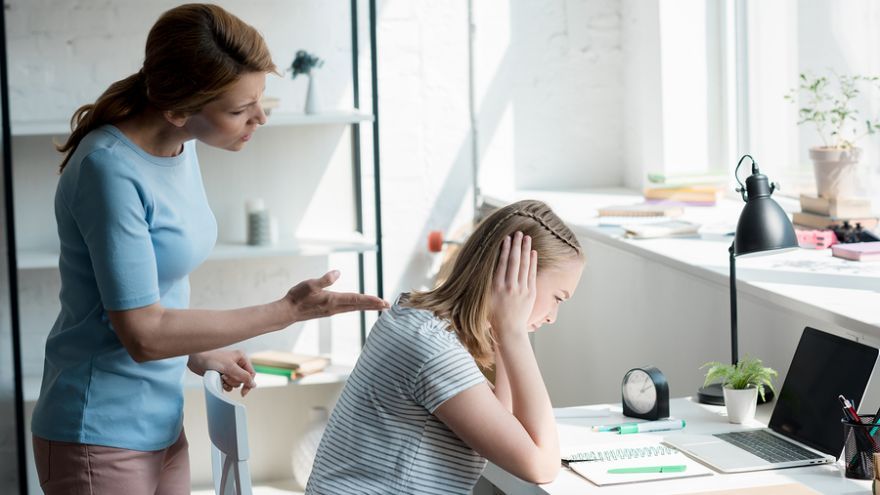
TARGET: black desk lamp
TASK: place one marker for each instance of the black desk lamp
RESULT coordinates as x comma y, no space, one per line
763,228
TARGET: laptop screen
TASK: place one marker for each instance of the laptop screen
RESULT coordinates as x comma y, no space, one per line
823,367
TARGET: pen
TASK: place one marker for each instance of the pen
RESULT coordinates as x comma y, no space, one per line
850,411
664,425
649,469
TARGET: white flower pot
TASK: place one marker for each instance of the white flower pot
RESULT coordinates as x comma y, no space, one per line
837,171
740,404
313,102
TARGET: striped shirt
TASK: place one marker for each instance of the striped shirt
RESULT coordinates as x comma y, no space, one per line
382,436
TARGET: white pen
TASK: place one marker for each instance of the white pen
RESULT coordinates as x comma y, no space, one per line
662,425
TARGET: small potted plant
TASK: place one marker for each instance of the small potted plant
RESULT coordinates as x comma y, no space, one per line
303,63
741,383
831,109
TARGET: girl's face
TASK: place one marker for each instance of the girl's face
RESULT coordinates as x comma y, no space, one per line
554,285
229,121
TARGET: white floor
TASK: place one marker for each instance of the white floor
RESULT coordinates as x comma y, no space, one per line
287,487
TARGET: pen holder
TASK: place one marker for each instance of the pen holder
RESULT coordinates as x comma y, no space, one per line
860,447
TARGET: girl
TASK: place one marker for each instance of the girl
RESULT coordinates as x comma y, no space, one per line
133,222
417,415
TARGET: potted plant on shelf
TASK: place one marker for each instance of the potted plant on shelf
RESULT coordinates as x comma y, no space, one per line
832,110
303,63
741,382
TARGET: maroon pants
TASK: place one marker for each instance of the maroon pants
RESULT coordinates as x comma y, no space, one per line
79,469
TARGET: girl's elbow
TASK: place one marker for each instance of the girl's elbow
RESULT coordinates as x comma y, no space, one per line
547,472
542,469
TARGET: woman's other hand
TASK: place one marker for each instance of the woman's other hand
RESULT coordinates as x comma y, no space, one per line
233,365
309,299
513,286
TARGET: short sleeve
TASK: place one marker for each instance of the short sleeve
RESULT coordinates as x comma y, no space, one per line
109,207
444,376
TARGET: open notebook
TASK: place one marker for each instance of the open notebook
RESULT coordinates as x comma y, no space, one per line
615,457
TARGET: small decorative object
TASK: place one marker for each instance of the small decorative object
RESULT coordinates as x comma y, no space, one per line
832,111
268,103
303,63
645,394
259,225
303,455
742,383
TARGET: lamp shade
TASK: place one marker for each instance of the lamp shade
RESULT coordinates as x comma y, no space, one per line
763,225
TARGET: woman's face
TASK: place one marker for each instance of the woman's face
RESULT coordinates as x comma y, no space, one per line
229,121
554,285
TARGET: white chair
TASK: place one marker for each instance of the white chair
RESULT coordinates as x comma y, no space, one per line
227,427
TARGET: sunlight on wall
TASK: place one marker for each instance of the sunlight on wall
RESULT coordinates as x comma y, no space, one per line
684,75
496,175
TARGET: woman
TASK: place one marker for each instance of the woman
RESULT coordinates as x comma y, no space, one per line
417,415
133,222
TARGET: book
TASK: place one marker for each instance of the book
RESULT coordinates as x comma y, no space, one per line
641,210
301,363
836,207
719,179
857,251
616,456
694,194
668,228
815,221
272,370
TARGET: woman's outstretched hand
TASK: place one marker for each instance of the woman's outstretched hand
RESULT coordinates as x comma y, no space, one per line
513,286
309,299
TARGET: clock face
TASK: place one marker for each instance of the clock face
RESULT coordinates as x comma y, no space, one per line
639,391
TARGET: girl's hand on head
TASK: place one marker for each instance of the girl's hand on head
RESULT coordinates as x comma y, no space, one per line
233,365
513,286
309,299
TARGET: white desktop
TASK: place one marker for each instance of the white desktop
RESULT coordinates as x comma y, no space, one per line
701,419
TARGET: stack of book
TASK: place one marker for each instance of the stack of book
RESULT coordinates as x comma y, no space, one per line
288,364
824,213
685,190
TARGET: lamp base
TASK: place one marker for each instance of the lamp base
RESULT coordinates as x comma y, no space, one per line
714,395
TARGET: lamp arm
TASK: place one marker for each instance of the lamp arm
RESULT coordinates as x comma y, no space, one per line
734,353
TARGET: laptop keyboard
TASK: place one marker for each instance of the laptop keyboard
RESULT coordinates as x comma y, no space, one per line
767,446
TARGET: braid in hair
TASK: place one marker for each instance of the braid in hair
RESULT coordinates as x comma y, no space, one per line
499,223
548,227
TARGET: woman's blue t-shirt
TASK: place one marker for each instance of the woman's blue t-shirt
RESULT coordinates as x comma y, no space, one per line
132,227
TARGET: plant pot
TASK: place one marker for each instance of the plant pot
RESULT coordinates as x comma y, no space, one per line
836,171
741,404
313,102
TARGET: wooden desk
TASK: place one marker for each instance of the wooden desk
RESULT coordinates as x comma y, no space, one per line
700,418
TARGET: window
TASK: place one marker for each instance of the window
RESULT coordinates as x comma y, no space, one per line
776,41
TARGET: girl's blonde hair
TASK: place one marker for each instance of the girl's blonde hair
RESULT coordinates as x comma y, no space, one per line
194,53
463,298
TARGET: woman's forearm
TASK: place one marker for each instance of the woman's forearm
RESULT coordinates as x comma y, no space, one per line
502,382
155,332
530,401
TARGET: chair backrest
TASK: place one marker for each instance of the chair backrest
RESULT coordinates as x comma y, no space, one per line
227,427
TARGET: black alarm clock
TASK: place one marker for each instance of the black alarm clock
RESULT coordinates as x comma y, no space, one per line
645,394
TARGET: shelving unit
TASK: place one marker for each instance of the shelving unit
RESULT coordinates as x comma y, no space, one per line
37,259
61,127
32,264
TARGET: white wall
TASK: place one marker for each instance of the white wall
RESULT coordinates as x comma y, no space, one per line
548,94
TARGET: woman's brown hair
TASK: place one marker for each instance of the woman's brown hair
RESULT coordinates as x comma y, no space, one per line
463,298
194,53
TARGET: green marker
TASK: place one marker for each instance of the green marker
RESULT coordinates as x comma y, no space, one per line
649,469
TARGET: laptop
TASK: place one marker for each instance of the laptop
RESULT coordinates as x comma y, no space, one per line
805,426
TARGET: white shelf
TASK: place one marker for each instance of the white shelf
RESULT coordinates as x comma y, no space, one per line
323,118
332,374
62,127
42,259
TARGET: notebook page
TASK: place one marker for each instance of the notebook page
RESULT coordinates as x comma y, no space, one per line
631,456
